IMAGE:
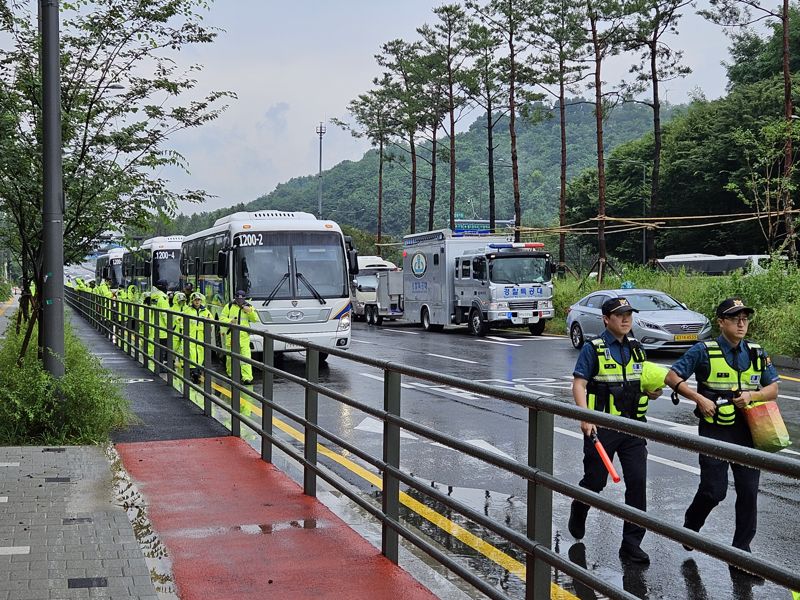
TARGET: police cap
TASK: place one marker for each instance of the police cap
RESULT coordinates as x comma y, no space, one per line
732,306
617,306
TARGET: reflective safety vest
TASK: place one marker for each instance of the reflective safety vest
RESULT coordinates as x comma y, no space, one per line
616,389
724,382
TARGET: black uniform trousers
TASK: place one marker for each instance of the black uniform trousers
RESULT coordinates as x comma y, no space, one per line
714,483
632,453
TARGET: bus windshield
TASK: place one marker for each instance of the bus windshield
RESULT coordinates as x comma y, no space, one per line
518,269
167,267
290,264
115,273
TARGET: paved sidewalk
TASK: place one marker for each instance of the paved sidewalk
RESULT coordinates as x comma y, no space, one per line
62,534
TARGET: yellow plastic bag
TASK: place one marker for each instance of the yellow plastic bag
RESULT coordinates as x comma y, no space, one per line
653,376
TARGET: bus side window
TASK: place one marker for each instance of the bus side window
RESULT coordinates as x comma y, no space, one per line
465,269
209,257
479,269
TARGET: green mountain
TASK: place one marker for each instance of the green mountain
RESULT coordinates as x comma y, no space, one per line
350,188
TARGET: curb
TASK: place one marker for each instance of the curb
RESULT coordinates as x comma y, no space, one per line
786,362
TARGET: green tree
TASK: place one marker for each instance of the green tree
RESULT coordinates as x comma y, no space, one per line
122,98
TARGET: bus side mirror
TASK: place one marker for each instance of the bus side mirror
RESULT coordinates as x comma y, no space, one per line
352,261
222,264
147,270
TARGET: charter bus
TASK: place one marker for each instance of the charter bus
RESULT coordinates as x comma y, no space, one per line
109,266
157,259
294,268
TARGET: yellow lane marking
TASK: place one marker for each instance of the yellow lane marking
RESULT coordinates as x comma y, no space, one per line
782,376
469,539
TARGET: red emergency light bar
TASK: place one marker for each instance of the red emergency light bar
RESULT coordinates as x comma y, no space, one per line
518,245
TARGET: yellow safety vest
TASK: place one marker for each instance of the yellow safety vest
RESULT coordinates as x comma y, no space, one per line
616,389
724,382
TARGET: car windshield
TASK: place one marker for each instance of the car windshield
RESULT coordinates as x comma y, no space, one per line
116,272
517,269
367,283
289,265
650,302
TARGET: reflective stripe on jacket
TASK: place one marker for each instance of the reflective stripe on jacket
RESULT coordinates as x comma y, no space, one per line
616,389
725,382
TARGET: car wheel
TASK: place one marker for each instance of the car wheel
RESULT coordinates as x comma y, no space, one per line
376,318
477,325
537,328
425,319
576,336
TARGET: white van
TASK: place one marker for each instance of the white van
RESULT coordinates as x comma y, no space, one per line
363,287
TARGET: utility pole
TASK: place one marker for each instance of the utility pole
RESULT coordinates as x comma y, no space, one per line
320,132
52,207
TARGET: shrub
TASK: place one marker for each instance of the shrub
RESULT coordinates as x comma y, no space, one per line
93,404
5,290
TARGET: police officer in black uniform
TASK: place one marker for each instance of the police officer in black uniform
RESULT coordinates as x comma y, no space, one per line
607,378
731,373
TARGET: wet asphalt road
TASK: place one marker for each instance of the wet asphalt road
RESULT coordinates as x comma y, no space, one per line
544,365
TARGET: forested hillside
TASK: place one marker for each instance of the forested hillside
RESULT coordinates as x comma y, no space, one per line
350,188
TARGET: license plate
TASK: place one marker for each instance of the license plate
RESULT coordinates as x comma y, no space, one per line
686,337
525,314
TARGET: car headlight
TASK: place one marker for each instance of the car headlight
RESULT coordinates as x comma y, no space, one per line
344,322
647,324
706,325
498,306
545,304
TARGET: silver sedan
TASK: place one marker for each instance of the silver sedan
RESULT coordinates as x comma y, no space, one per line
662,322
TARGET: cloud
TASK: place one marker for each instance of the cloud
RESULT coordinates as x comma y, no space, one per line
275,118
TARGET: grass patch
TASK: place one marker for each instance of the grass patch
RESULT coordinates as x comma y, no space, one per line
30,413
5,290
775,295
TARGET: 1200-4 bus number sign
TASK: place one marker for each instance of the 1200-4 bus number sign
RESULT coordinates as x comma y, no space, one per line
164,255
250,239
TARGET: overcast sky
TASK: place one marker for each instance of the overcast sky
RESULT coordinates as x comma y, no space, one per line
294,64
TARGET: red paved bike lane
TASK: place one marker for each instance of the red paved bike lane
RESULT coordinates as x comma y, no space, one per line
236,527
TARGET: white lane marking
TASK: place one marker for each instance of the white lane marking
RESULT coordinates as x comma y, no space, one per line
9,464
681,426
379,378
401,331
364,342
499,343
6,550
788,397
372,425
464,360
653,457
484,445
533,338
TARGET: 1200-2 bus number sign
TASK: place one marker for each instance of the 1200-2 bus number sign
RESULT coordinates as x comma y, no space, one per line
250,239
164,255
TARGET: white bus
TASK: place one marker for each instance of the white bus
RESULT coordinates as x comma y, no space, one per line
711,264
157,259
109,266
294,269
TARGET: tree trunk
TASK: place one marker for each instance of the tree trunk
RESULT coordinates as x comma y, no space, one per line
562,210
380,194
601,171
452,109
432,202
787,161
513,134
28,334
490,157
650,235
413,146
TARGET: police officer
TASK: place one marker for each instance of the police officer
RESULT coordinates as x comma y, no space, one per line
240,312
731,373
607,378
160,302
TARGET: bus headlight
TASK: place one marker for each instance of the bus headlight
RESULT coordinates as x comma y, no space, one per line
498,306
344,322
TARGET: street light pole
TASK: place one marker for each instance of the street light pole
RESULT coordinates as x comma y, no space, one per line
52,207
320,132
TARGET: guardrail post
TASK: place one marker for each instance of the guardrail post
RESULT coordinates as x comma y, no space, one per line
267,382
136,311
208,367
236,375
390,499
170,355
312,416
540,502
186,353
148,332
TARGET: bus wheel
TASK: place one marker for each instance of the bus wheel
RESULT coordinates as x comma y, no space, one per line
376,318
323,357
537,328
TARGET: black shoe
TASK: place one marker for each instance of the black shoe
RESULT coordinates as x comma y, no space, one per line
577,520
247,382
633,554
743,577
687,526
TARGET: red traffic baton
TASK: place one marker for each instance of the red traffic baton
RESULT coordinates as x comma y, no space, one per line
604,457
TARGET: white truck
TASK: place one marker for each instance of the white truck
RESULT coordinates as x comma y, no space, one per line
483,281
364,285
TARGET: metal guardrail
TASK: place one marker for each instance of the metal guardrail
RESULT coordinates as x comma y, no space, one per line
133,328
